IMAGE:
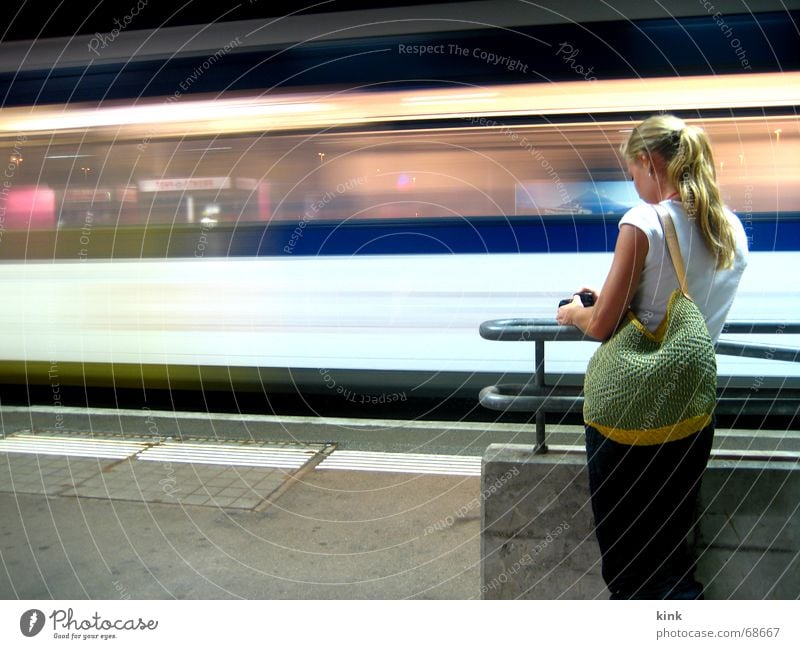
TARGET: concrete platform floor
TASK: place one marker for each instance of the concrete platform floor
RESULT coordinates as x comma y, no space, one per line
154,505
264,526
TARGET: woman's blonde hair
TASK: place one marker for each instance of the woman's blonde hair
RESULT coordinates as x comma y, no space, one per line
690,167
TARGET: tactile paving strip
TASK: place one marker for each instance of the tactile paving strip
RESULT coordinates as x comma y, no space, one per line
70,445
403,463
236,474
193,472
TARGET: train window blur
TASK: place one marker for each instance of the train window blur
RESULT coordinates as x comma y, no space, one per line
65,180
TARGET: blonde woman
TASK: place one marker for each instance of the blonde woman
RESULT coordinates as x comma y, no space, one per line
644,484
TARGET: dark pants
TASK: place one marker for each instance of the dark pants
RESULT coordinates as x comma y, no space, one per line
644,503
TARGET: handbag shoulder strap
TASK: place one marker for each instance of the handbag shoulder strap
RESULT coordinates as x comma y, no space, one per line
672,245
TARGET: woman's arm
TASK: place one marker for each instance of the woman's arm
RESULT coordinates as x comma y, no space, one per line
602,319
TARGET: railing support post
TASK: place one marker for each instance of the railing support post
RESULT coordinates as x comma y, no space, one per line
540,447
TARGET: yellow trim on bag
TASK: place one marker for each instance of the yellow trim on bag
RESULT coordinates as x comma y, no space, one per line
661,330
650,437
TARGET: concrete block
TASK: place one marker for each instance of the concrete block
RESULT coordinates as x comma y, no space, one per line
537,532
748,539
531,569
758,501
531,494
749,574
537,535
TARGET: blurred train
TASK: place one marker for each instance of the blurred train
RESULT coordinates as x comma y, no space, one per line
349,240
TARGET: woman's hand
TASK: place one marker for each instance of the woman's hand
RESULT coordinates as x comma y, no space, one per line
566,313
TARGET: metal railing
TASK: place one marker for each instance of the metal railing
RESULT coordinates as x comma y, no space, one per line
538,397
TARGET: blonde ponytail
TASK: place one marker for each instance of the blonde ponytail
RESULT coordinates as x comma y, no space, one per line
690,168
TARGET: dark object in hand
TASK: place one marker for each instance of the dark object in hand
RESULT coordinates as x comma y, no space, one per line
587,299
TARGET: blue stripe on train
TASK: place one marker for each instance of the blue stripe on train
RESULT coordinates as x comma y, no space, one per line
468,236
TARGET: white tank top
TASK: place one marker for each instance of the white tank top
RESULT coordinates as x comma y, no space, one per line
712,289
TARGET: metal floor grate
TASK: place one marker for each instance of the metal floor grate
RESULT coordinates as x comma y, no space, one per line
232,454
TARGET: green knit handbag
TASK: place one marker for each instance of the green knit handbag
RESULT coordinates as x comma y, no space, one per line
645,388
